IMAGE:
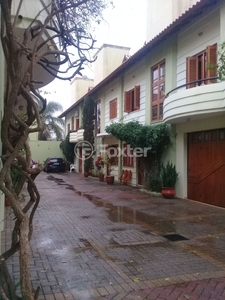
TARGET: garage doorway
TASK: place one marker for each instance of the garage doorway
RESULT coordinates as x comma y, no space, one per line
206,166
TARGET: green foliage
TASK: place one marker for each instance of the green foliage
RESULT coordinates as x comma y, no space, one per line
67,149
88,119
221,62
15,176
154,137
220,67
169,175
88,124
51,125
153,180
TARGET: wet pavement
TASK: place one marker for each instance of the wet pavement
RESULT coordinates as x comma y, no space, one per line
95,241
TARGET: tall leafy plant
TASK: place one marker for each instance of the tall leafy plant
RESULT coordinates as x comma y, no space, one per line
67,149
88,125
154,137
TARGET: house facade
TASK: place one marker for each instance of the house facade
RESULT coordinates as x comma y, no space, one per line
169,80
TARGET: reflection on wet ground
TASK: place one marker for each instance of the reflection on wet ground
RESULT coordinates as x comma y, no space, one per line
89,236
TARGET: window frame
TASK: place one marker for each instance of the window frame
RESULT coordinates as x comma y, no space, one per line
196,66
132,99
157,102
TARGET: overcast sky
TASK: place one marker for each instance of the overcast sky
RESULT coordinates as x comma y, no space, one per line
125,25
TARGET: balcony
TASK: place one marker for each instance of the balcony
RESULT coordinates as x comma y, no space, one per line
27,11
77,136
194,103
73,137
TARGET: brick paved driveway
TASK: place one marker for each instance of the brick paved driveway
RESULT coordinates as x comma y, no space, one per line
93,241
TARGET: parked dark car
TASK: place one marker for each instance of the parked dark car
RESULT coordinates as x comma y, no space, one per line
54,164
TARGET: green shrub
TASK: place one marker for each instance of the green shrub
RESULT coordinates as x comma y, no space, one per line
169,175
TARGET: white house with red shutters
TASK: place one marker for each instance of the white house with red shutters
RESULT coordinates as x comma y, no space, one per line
169,80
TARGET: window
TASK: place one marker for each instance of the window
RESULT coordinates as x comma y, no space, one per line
68,127
158,91
132,99
197,69
113,109
98,117
128,158
72,121
77,124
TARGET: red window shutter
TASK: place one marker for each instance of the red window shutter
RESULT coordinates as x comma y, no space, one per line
137,97
127,102
110,110
113,109
191,70
211,57
77,124
68,127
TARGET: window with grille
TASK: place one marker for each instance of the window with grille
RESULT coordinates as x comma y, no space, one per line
158,91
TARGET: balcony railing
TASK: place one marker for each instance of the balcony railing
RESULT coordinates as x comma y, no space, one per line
190,83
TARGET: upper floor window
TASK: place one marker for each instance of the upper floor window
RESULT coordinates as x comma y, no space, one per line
197,66
77,123
98,117
72,121
132,99
158,91
113,109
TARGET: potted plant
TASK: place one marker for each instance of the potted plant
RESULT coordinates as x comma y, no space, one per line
87,166
99,163
169,177
109,165
101,175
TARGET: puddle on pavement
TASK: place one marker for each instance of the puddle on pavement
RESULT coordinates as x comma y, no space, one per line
125,214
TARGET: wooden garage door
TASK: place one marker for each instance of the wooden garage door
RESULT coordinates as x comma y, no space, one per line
206,167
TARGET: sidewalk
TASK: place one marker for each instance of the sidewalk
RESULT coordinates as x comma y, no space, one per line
94,241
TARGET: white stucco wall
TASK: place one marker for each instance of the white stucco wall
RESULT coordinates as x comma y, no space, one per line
109,57
161,13
79,87
41,150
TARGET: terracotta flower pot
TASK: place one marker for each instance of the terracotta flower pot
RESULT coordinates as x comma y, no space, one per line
109,179
168,192
101,177
86,174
